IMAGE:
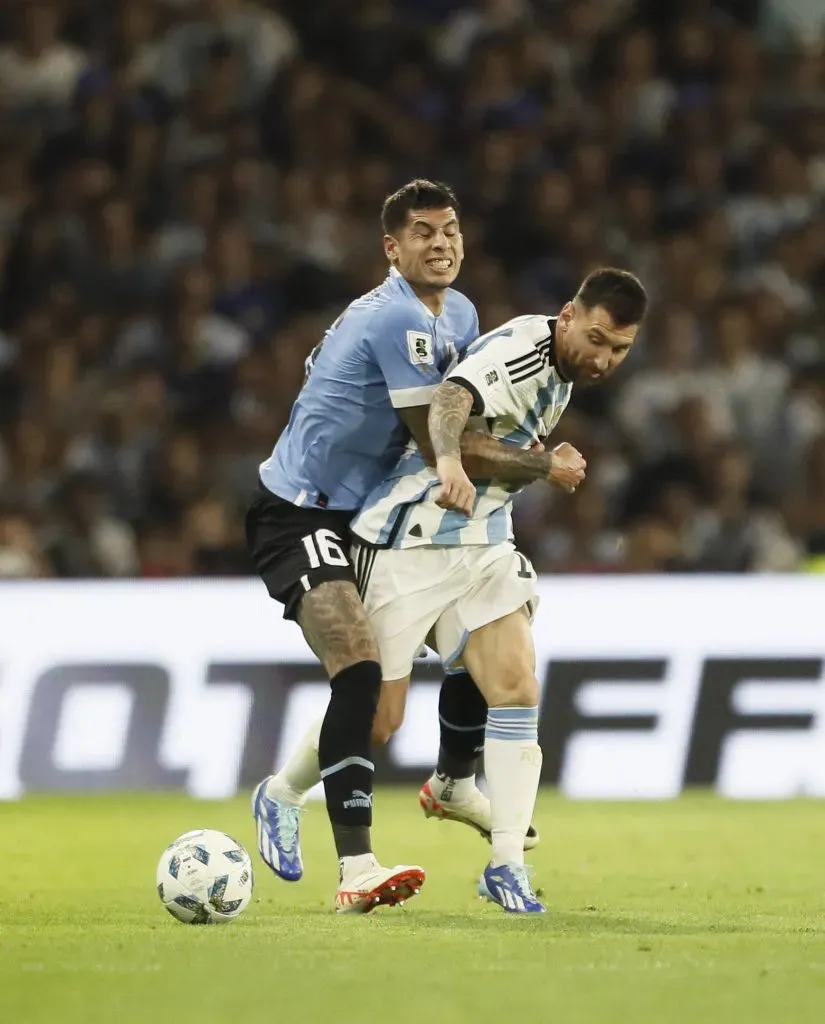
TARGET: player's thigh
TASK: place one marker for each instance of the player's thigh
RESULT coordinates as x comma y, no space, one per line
487,629
403,600
336,627
391,707
302,555
500,657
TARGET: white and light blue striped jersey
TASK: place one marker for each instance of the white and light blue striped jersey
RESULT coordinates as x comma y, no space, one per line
385,352
518,396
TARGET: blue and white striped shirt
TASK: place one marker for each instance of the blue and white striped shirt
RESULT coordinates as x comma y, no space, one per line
518,397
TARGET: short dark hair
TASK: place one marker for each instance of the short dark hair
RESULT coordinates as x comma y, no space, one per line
619,292
419,194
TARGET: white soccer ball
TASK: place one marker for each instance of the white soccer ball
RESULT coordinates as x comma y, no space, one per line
205,877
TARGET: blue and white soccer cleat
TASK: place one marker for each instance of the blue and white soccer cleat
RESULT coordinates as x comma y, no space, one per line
278,827
509,886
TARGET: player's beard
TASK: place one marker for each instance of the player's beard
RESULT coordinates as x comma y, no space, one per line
578,375
582,379
565,370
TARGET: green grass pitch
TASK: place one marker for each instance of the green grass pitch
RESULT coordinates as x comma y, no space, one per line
697,910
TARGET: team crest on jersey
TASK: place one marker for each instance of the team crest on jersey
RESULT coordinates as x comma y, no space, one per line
491,377
420,347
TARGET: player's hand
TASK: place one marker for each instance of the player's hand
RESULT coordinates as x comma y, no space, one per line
567,467
457,490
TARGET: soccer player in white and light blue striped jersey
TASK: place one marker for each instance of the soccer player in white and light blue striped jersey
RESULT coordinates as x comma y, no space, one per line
436,556
402,512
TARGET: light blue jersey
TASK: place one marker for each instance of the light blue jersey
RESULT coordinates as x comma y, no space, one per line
386,351
518,396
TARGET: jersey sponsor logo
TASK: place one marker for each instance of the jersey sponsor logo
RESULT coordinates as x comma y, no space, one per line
420,347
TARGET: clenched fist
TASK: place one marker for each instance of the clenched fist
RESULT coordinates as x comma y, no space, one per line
567,467
457,490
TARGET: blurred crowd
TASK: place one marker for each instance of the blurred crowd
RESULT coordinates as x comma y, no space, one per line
190,192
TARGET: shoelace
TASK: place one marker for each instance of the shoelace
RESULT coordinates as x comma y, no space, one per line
288,820
522,877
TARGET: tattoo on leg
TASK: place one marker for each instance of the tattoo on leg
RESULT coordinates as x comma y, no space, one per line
336,626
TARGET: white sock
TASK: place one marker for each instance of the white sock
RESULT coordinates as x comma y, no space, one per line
451,790
300,773
512,766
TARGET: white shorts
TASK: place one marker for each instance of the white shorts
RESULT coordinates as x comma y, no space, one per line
408,591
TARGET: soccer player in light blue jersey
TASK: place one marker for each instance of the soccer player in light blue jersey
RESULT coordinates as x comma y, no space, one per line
367,391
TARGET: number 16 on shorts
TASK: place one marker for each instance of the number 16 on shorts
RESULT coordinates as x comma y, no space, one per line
323,547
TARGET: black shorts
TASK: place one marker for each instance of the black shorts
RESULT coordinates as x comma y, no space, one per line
295,548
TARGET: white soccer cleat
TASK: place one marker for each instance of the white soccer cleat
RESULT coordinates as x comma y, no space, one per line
474,811
378,886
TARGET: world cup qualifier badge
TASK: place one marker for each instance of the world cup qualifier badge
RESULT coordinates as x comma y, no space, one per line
420,347
492,378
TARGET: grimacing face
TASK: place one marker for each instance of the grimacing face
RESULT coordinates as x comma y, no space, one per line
428,250
589,346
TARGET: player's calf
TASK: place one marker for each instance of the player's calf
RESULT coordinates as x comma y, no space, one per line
336,627
462,717
389,716
451,793
500,658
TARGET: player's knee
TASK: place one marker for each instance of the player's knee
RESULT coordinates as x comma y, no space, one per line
356,689
517,688
335,625
359,648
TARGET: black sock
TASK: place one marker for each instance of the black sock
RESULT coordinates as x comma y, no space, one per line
344,754
462,715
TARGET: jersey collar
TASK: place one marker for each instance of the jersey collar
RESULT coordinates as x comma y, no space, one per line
408,289
552,321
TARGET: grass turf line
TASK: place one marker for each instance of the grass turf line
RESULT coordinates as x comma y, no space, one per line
696,909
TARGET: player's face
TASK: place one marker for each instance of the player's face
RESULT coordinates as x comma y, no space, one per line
428,250
589,346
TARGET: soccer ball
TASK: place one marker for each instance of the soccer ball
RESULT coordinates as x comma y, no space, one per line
205,877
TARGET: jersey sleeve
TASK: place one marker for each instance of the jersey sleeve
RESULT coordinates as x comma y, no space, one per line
474,330
403,346
498,375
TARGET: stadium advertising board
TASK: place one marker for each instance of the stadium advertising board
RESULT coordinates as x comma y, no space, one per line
649,685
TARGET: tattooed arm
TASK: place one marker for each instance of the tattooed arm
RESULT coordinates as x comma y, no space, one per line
450,409
482,456
449,412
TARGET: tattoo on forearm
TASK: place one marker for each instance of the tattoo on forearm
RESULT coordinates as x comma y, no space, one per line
485,457
449,412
